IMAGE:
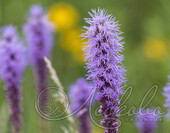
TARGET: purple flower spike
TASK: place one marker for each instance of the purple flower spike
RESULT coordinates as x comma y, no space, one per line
39,37
39,34
146,121
12,65
80,94
167,98
104,64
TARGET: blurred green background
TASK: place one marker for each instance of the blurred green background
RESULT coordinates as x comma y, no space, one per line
146,27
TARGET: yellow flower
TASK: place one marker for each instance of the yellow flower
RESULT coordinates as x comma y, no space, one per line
72,42
63,15
156,49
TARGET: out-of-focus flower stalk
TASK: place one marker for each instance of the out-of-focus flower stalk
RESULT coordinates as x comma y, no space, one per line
39,36
146,121
167,98
80,94
13,63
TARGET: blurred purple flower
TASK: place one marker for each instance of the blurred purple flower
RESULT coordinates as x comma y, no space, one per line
80,94
167,98
38,34
105,69
39,37
12,68
146,121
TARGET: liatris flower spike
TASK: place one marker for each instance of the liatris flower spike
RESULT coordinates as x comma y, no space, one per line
146,121
80,94
167,98
39,37
38,33
13,63
104,64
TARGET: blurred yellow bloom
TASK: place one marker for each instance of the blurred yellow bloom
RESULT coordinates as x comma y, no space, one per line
156,49
72,42
63,15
